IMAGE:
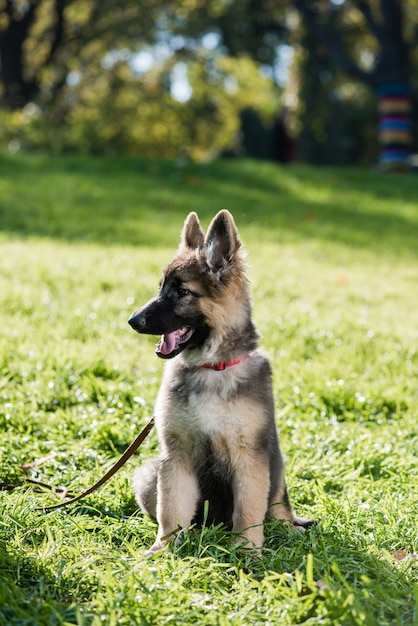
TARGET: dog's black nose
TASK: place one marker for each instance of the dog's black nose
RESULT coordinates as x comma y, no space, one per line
137,321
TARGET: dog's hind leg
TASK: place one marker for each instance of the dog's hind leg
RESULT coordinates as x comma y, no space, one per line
281,509
145,480
302,523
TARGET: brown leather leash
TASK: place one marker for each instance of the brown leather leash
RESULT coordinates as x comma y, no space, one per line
125,456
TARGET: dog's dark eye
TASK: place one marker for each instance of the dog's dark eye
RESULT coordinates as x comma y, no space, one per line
183,292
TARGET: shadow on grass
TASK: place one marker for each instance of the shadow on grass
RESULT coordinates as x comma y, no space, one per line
134,202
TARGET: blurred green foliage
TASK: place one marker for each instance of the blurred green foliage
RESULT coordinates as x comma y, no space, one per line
105,84
190,79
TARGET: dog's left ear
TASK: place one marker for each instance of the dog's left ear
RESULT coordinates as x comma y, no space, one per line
222,242
192,235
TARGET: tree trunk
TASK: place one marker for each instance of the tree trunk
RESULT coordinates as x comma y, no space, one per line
17,90
395,126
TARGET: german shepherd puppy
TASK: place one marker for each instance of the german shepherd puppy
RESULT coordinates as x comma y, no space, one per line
214,412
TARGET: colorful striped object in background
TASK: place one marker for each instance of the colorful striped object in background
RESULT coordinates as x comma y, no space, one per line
395,127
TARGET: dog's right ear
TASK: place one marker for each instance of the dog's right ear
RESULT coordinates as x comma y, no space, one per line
192,235
222,243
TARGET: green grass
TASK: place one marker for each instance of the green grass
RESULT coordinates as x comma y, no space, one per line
334,268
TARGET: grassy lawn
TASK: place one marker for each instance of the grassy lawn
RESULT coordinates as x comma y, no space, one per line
334,269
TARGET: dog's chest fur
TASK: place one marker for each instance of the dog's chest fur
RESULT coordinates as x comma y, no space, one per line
196,406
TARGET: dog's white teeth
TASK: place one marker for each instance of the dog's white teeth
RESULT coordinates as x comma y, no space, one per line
184,335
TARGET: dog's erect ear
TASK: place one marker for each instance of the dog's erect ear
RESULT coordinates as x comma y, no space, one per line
192,235
221,242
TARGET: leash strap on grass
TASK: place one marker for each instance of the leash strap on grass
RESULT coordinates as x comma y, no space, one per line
125,456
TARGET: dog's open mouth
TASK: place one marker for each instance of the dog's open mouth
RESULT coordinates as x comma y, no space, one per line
169,344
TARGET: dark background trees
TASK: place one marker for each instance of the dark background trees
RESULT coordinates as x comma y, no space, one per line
41,40
202,78
372,42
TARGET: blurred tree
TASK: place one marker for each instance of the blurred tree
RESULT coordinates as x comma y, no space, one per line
41,39
118,112
336,115
380,59
348,46
242,28
71,73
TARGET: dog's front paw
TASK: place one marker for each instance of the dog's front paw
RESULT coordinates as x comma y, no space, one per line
250,540
245,547
159,546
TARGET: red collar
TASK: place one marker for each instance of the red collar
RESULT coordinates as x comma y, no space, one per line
222,365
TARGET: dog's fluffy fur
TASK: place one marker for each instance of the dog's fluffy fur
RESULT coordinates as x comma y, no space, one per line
216,428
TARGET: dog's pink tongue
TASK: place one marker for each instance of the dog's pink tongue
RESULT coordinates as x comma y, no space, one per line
167,343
